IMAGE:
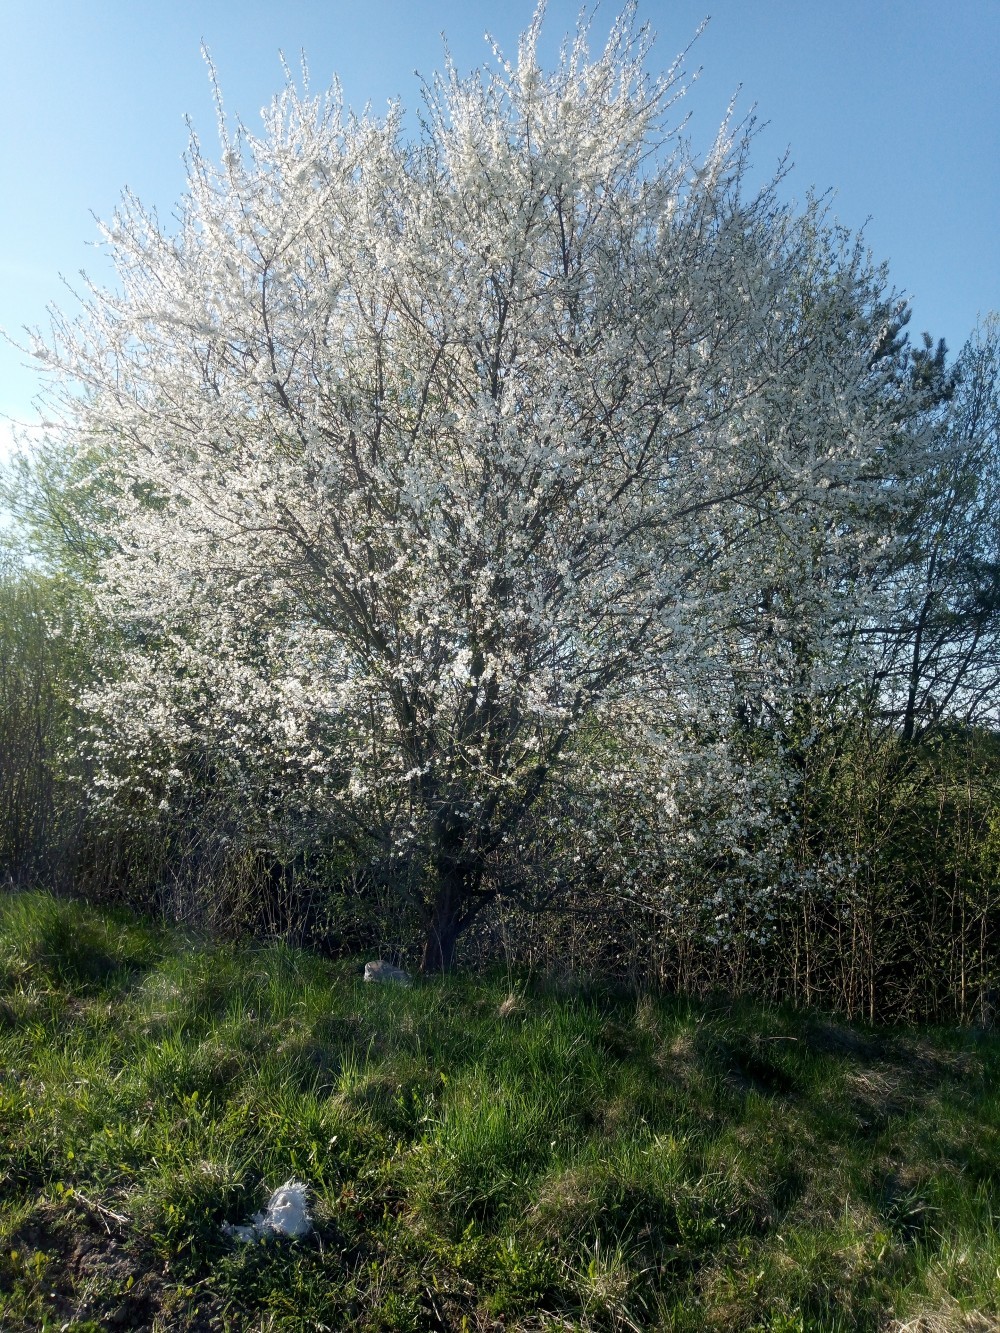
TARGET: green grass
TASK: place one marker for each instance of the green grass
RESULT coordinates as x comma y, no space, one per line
578,1161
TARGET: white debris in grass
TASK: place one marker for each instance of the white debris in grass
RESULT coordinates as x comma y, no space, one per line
385,972
286,1214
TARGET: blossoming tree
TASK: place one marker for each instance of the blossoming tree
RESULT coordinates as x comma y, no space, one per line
430,455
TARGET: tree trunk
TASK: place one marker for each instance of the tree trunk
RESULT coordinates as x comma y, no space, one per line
443,928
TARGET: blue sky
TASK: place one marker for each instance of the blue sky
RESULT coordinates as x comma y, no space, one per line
894,104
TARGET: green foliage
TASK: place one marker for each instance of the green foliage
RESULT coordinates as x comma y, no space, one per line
37,664
594,1161
913,933
59,499
890,908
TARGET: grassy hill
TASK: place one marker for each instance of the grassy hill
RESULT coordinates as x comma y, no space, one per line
480,1155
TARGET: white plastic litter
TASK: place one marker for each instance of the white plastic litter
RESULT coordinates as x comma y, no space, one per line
286,1214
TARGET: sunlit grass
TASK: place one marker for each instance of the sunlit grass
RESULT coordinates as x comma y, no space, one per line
565,1161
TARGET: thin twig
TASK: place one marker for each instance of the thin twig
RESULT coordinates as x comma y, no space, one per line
100,1209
